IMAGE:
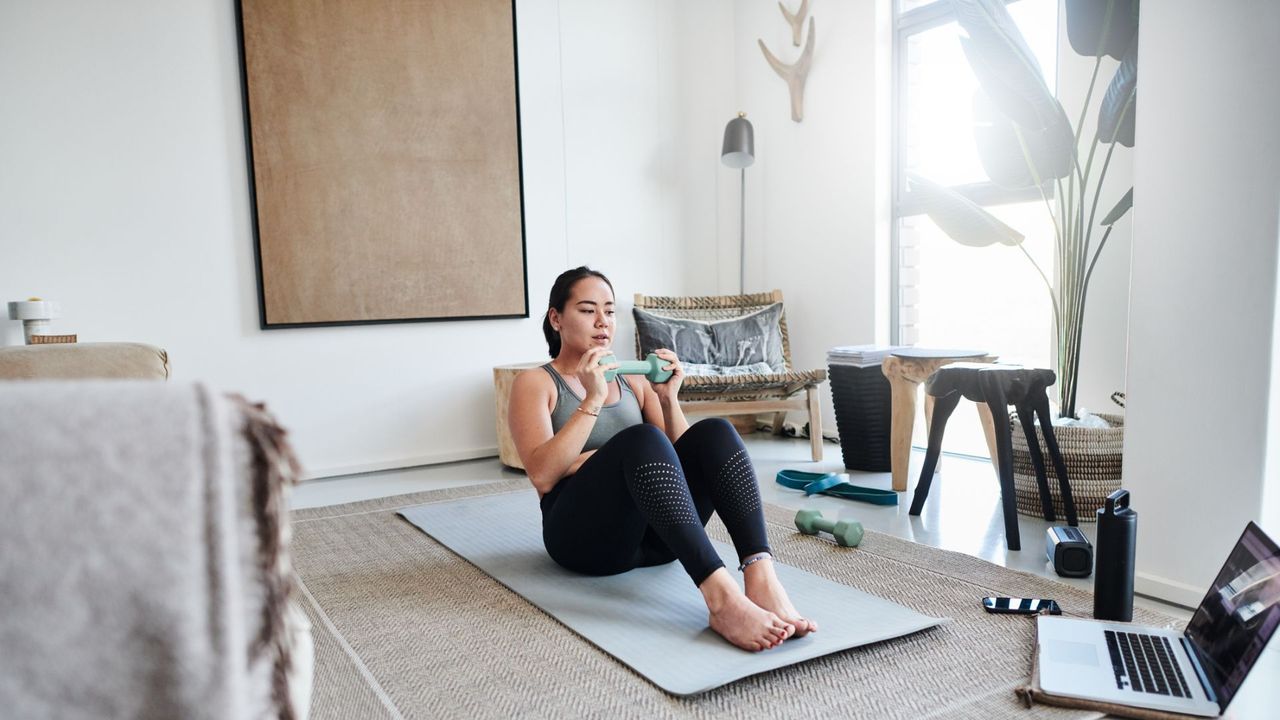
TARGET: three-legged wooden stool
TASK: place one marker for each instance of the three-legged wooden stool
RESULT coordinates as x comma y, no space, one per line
999,386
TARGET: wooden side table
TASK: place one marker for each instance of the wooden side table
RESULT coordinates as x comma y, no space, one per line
906,369
503,377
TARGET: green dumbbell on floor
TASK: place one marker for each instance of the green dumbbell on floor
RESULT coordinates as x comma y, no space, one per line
650,367
848,533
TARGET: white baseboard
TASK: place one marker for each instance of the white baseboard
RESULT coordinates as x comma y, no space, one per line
1171,591
432,459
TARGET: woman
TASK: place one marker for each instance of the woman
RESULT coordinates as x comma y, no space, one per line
625,482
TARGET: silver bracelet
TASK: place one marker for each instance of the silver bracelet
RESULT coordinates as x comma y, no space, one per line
756,559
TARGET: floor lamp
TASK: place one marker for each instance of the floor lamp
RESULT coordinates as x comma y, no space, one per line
739,151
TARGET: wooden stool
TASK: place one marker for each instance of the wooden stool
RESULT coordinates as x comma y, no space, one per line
998,387
906,369
503,377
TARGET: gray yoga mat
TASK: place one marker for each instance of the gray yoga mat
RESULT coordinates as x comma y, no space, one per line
652,619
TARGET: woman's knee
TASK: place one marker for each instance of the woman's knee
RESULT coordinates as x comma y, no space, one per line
714,428
716,424
638,444
643,437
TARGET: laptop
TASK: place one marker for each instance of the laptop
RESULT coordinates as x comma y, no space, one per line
1195,672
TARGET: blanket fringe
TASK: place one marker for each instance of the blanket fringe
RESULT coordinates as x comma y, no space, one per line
275,469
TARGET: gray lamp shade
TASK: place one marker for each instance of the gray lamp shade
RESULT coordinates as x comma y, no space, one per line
739,149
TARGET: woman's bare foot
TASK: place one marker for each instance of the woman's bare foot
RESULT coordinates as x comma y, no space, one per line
764,589
739,620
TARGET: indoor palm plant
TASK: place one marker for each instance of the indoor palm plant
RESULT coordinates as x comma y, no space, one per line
1026,140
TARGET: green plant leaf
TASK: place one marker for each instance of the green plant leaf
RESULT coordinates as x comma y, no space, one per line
1121,97
1086,19
959,217
1051,149
1119,210
1005,66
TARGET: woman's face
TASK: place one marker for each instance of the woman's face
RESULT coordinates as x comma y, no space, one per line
587,320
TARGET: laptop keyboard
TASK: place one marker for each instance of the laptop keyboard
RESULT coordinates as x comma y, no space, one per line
1145,663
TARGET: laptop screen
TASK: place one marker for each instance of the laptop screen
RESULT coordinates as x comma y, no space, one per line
1236,619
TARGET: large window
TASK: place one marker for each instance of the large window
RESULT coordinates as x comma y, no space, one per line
947,295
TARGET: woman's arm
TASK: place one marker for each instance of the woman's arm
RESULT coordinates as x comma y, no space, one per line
549,456
676,422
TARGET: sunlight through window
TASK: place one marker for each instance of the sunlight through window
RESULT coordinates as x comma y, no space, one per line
949,295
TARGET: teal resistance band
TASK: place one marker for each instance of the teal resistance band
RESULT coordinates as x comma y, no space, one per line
831,484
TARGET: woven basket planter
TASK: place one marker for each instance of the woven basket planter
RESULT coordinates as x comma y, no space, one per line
1093,456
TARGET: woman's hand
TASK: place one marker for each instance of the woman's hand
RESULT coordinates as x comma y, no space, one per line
591,374
668,390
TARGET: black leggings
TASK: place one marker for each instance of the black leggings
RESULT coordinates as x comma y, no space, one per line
641,501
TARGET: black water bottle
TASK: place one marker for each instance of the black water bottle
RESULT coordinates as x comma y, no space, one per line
1113,572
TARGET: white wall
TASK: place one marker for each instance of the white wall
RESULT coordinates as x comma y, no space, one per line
123,195
1270,515
814,205
645,87
1203,295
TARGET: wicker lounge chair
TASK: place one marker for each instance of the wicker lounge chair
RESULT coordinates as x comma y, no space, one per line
743,394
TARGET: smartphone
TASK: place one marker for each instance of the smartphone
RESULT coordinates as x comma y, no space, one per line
1020,606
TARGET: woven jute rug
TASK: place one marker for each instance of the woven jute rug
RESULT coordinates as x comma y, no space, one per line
404,628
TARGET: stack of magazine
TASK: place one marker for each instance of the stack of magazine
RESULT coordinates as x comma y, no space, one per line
859,355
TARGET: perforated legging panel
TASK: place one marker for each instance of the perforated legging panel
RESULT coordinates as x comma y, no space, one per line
642,501
662,494
721,477
735,492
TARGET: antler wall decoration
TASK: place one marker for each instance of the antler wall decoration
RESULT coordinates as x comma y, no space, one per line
795,74
796,21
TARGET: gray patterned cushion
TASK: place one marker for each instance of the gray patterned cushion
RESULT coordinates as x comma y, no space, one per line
692,369
746,340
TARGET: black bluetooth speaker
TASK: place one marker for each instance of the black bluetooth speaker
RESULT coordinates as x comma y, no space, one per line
1069,551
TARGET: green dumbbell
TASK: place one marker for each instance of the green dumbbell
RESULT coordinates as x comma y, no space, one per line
650,367
848,533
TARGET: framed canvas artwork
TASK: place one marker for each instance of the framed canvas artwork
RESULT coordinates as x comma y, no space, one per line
384,160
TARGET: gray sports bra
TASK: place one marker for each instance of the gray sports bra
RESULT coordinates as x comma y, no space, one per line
613,418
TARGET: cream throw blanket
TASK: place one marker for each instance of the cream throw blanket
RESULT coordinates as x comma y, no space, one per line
132,581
